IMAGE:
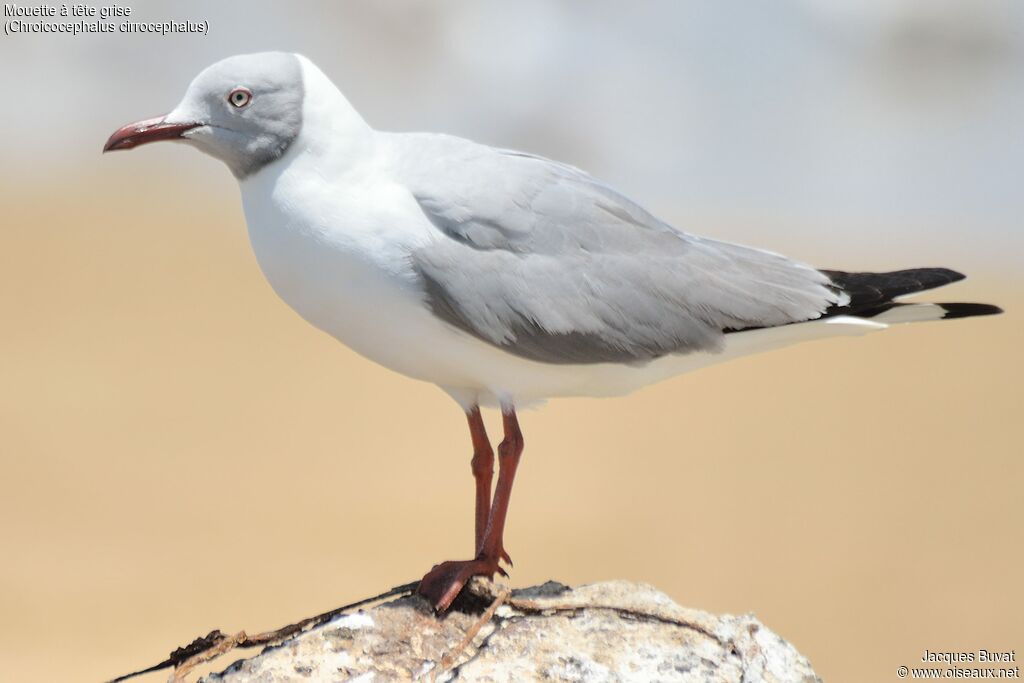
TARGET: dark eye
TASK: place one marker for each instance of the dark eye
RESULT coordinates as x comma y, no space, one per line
240,97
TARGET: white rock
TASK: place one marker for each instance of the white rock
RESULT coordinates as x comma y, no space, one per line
613,631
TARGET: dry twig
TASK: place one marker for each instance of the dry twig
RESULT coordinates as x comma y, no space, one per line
448,661
215,643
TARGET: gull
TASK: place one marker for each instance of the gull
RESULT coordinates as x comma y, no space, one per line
502,277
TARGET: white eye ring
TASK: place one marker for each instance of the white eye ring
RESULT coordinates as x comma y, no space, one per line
240,97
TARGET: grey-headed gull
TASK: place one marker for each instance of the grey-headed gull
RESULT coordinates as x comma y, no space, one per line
502,277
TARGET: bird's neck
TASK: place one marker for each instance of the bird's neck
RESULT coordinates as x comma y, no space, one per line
331,127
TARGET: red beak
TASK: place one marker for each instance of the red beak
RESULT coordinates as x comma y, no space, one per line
141,132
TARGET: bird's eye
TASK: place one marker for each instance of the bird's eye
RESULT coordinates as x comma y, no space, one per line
240,97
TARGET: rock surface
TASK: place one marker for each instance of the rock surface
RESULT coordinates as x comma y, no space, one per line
614,631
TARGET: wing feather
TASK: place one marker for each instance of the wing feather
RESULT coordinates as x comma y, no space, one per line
546,262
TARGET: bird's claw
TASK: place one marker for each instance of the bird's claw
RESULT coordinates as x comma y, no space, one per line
443,583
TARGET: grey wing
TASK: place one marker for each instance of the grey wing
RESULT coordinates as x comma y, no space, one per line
547,263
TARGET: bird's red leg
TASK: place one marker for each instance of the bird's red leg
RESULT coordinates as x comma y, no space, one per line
443,583
483,470
509,451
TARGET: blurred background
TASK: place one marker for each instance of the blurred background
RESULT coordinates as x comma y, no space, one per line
179,451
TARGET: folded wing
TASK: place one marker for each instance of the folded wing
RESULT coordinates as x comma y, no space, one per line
546,262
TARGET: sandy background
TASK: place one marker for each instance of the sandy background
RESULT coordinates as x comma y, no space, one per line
179,451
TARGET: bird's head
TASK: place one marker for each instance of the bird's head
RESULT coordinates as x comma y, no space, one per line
244,110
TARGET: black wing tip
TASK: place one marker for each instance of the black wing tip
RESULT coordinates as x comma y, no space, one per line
952,275
924,278
968,310
872,293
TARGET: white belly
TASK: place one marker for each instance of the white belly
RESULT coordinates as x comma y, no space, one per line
346,271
